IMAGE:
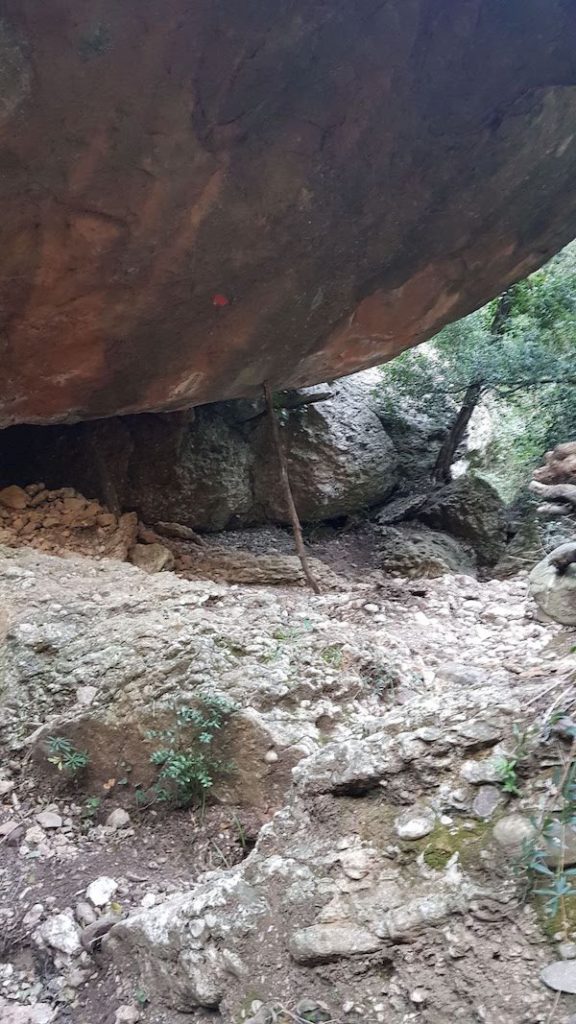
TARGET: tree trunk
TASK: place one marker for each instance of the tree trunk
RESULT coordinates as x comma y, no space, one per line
442,466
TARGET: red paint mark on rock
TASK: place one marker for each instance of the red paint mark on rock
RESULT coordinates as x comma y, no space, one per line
220,300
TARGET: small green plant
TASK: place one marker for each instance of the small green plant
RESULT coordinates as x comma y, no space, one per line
91,806
187,763
333,655
508,776
508,766
66,757
543,860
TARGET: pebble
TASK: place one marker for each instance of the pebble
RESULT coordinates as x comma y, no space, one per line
33,916
14,497
312,1010
560,976
86,694
35,835
85,913
6,786
119,818
486,801
101,890
61,933
419,996
415,824
511,832
560,844
355,863
127,1015
49,819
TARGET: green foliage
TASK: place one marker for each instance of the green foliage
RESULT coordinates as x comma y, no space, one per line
555,885
91,806
527,365
333,655
509,766
66,757
187,763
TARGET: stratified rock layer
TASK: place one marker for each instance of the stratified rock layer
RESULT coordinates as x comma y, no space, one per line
198,197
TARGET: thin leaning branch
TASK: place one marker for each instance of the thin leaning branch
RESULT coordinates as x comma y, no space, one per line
285,480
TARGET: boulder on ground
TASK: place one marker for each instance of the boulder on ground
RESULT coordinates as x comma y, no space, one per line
553,584
340,460
471,510
559,466
413,551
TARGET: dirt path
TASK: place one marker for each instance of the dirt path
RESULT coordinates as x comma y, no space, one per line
445,638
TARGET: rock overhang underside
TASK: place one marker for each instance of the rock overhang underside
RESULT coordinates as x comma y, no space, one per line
203,196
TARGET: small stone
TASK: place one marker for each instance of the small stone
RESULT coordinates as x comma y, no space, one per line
14,497
325,942
34,835
85,913
127,1015
119,818
429,734
6,786
271,756
40,1013
373,609
15,836
560,976
478,772
106,519
61,933
313,1011
462,675
86,694
101,890
486,801
148,901
415,824
479,734
49,819
355,863
567,950
419,996
151,558
33,917
512,832
560,844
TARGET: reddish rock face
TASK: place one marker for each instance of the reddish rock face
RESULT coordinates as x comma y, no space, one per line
198,195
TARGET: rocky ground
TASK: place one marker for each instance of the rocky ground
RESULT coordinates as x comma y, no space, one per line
358,860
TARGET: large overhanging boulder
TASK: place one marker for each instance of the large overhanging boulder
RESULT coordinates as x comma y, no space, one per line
200,195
